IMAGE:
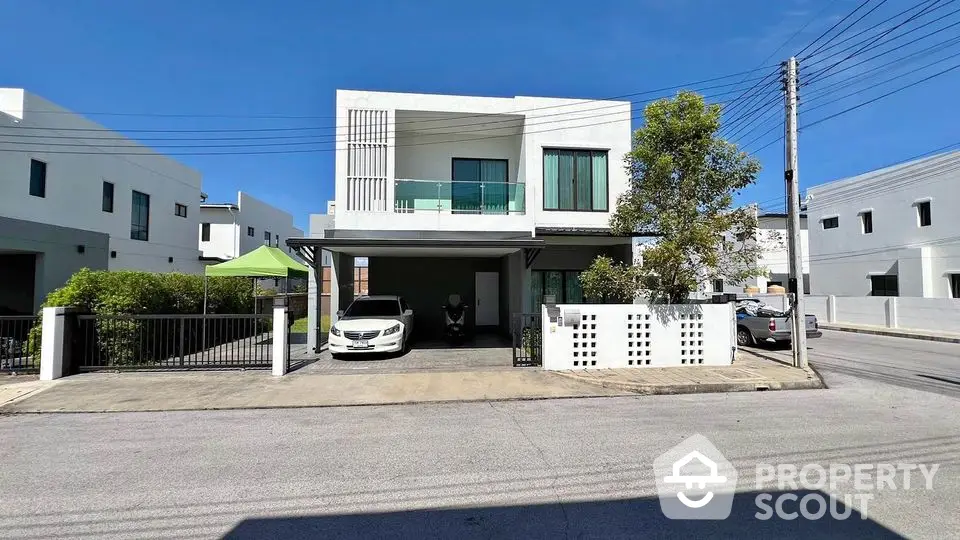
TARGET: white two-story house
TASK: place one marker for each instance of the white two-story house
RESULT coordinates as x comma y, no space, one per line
500,200
890,232
229,230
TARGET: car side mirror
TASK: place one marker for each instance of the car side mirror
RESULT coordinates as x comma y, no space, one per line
340,314
408,312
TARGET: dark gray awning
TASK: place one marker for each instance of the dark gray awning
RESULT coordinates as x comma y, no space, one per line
405,246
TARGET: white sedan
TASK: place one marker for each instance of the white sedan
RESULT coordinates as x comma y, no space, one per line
372,324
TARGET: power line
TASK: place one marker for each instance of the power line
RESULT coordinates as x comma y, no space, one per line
820,73
878,98
849,26
828,30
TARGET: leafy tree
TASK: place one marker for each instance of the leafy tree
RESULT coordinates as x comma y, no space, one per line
683,178
608,281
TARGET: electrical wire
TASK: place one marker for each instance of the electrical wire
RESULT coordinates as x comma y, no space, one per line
828,30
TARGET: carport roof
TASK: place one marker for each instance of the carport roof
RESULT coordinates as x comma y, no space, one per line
467,245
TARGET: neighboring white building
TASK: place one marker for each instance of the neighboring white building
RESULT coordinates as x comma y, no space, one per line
501,200
230,230
67,203
890,232
771,235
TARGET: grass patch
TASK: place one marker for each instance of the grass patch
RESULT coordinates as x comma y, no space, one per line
300,325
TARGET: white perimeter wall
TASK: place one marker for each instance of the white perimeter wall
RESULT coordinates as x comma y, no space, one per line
74,186
638,335
909,313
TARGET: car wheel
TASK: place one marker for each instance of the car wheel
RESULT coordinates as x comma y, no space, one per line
744,337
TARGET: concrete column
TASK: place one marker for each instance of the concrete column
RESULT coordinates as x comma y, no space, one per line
831,309
891,308
280,336
341,283
314,289
53,344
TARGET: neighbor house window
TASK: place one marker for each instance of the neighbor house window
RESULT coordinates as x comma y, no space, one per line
140,217
250,231
479,186
266,237
831,222
866,221
204,232
718,285
277,238
180,210
923,213
564,285
575,180
38,178
955,285
107,203
884,285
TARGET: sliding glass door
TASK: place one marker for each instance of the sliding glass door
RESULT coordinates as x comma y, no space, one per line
479,185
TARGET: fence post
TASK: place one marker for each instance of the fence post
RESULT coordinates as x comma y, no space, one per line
53,343
182,325
831,309
892,312
280,350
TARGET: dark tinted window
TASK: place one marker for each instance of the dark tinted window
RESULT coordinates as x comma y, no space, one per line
250,231
867,218
38,178
831,223
884,286
923,209
205,232
140,217
373,308
107,203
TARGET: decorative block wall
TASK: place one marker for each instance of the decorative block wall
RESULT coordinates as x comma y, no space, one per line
637,335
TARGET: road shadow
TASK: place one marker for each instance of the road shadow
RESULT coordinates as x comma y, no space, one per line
626,518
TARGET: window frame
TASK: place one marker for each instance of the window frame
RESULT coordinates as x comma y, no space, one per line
134,232
251,232
543,184
866,222
715,282
103,197
42,182
453,170
921,206
834,220
886,289
267,237
563,285
953,280
176,210
204,232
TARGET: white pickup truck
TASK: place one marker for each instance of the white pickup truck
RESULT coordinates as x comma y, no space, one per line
759,323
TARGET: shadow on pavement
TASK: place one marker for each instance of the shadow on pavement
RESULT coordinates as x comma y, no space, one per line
629,518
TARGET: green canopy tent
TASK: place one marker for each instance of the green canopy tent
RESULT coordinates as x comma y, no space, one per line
263,262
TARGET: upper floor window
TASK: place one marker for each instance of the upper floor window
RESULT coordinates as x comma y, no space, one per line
923,213
831,222
866,222
250,231
106,204
266,237
204,232
575,180
180,210
140,217
38,178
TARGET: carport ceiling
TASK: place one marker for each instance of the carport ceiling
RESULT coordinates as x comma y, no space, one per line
419,247
423,251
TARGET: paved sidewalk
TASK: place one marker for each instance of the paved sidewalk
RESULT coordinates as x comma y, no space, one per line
749,372
14,388
116,392
946,337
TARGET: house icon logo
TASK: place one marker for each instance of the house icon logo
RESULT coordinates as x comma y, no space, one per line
695,481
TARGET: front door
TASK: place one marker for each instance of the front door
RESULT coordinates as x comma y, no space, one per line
488,299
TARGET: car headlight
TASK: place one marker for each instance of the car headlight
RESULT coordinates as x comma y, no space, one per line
335,331
392,330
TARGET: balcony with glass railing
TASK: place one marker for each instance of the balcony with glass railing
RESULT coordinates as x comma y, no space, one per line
496,198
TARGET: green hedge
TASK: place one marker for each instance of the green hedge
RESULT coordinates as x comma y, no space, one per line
126,342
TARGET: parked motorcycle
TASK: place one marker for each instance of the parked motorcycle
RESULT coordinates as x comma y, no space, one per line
455,319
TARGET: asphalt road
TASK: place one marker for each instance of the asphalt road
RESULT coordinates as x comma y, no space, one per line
575,468
912,363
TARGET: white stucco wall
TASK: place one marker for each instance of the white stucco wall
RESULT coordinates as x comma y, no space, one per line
546,123
843,258
228,230
74,184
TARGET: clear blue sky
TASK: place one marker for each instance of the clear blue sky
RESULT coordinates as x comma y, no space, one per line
287,57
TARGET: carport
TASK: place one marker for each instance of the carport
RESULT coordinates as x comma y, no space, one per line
485,269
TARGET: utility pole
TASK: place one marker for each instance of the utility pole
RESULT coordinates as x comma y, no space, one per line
797,312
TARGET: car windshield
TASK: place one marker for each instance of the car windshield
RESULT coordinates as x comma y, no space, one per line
373,308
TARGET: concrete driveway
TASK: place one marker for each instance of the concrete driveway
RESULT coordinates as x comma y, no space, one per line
484,353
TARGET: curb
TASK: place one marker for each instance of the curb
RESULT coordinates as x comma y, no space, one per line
810,367
815,382
890,333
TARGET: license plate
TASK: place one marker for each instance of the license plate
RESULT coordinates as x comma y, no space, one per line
361,344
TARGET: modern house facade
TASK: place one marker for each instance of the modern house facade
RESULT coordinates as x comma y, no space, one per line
229,230
75,194
890,232
500,200
771,236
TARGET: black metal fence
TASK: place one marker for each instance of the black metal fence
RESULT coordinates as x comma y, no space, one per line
526,331
172,342
18,352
